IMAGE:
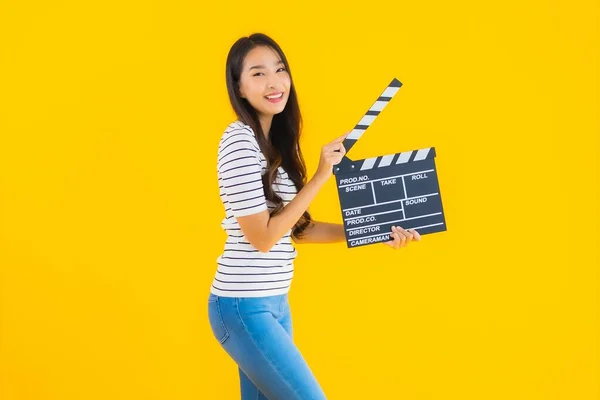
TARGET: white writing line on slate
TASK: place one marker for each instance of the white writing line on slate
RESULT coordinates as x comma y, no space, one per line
392,201
384,179
379,234
397,220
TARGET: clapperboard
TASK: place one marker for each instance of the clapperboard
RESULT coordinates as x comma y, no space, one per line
377,193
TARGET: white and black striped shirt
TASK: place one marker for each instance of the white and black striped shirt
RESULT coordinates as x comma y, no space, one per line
243,271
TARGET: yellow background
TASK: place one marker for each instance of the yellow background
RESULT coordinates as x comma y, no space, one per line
110,117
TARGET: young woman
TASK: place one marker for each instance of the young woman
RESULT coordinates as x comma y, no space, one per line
263,186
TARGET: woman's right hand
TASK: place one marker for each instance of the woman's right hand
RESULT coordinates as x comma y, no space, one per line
331,154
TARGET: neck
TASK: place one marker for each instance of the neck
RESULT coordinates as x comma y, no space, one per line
265,124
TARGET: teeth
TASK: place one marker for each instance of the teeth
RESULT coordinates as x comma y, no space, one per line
275,97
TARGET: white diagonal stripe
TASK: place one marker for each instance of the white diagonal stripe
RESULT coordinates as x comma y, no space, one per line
386,160
390,91
378,106
367,120
421,154
404,157
368,164
355,134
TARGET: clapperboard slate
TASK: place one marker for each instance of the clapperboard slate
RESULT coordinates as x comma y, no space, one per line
392,190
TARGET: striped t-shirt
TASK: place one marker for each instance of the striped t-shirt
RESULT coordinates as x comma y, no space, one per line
243,271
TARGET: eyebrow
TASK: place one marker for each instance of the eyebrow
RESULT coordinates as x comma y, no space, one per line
262,66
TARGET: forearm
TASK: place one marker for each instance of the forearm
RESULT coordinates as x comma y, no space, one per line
322,232
278,225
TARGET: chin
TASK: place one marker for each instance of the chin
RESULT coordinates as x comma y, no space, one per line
274,111
281,109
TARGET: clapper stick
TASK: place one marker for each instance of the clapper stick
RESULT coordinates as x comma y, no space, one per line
367,119
394,189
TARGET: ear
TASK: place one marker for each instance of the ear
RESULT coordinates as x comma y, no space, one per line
241,93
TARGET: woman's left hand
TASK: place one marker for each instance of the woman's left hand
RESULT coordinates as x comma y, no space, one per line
401,237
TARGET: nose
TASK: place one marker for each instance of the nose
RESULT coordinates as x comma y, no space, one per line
274,82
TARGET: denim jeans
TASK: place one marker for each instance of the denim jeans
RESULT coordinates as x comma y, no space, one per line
257,333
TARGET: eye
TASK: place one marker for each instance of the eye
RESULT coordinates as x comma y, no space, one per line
280,69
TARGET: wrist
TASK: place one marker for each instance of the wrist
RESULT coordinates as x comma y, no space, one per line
319,178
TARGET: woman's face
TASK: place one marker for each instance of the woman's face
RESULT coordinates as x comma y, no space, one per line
264,81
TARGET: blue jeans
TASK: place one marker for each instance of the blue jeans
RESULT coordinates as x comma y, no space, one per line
257,333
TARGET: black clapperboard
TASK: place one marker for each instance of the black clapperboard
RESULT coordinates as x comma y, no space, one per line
377,193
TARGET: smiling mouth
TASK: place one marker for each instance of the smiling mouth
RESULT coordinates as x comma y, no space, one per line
274,97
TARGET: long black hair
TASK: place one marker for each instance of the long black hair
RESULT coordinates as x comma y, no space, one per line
282,148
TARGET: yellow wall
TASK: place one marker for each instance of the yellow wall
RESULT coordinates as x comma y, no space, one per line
110,116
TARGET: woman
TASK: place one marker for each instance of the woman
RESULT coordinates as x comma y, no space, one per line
263,186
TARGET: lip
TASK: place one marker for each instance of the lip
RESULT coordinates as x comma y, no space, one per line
274,100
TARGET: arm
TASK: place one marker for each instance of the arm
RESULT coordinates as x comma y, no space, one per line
240,168
322,232
325,232
263,231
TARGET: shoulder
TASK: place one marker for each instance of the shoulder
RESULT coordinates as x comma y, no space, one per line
238,128
238,134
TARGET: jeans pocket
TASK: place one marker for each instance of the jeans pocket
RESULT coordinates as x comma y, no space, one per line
216,320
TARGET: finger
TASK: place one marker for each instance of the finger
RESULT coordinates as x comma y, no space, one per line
400,239
395,240
335,159
404,232
401,236
397,231
416,234
390,242
337,147
341,138
338,155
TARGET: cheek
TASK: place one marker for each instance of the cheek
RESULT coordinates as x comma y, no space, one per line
256,100
253,95
248,89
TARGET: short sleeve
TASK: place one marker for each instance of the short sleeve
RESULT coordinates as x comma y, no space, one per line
239,168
